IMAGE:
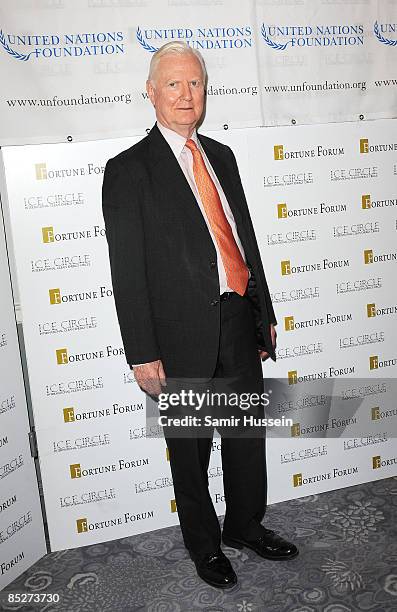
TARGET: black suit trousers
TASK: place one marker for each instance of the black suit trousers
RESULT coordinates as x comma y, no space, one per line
243,455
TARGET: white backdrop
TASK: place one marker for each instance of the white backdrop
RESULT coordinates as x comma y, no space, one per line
21,528
77,69
320,199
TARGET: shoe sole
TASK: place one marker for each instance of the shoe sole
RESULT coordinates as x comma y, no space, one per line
218,586
239,545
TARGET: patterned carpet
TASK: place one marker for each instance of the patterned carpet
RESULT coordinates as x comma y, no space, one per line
347,562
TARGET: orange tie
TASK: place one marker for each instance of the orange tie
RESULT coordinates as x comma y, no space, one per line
235,267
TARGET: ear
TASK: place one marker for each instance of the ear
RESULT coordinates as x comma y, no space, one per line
150,91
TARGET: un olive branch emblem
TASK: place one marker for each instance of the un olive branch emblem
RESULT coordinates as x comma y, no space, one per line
271,43
143,42
382,39
23,57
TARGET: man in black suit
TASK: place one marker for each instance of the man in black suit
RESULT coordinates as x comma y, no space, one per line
192,301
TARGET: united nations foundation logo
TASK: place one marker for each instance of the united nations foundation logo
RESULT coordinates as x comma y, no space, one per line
24,47
279,37
224,37
385,28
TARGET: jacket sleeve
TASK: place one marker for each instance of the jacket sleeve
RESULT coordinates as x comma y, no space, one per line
121,206
268,301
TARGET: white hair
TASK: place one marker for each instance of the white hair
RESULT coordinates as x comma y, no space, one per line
178,47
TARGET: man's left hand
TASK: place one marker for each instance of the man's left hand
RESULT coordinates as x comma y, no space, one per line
264,354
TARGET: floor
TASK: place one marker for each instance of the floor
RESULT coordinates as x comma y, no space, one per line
347,562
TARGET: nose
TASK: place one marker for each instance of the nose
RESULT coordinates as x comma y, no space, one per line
186,93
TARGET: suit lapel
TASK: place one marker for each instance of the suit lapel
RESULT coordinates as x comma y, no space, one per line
170,177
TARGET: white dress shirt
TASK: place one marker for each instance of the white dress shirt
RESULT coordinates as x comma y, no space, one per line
185,159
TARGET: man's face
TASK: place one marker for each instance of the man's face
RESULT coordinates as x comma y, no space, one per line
177,92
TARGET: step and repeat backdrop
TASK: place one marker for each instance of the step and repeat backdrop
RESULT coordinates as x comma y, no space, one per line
77,69
324,205
21,527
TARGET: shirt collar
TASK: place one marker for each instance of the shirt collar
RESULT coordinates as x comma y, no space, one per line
175,140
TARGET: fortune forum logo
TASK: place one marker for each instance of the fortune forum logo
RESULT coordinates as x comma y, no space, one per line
299,480
43,173
56,296
333,372
375,363
370,257
281,154
291,324
378,462
378,415
367,202
283,212
373,311
288,269
366,147
63,357
83,525
49,236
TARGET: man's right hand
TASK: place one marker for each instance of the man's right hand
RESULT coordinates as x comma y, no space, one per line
150,377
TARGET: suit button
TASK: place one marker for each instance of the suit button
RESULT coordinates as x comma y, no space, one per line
214,302
212,264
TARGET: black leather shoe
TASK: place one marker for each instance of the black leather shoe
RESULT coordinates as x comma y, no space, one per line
269,546
216,569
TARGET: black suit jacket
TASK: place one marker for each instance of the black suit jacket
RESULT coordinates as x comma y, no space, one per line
163,261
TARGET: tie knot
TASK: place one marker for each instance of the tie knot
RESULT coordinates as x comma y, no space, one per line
190,144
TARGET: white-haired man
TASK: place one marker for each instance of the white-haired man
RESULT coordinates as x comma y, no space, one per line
192,300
